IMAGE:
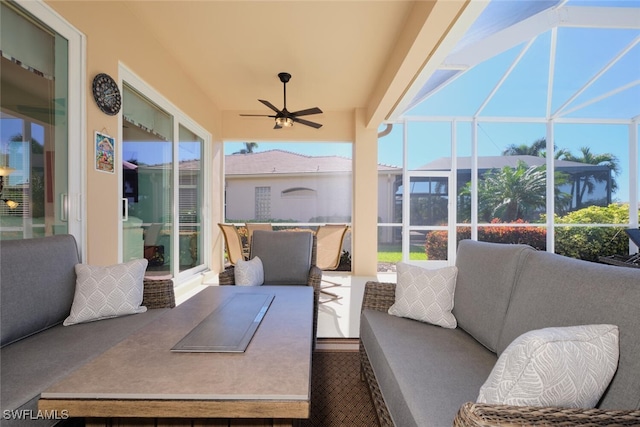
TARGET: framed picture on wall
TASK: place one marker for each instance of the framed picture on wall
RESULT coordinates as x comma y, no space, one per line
105,152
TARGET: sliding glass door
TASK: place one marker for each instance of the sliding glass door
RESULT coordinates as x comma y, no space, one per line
39,181
190,196
147,160
162,187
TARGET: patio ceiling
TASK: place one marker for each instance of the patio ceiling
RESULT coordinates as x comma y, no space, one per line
564,56
342,55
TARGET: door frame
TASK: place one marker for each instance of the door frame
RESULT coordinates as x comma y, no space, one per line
75,208
407,228
180,118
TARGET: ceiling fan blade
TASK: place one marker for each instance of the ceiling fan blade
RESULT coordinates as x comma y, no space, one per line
306,122
270,105
257,115
307,112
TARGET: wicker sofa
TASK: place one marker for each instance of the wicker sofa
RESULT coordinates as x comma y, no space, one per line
37,280
425,375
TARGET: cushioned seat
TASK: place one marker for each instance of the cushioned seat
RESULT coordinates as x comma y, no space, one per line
39,361
426,372
420,374
38,278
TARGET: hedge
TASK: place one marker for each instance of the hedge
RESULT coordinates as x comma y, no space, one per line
584,242
436,243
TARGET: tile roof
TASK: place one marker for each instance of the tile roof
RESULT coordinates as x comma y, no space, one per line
498,162
286,162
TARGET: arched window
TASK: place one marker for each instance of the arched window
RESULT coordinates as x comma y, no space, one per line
299,192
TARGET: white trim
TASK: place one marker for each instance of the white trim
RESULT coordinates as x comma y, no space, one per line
451,219
603,96
77,116
179,118
634,171
492,119
551,181
474,180
552,69
504,77
601,17
593,79
463,23
406,194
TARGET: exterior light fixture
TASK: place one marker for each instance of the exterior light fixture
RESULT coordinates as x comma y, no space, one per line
11,203
6,170
284,122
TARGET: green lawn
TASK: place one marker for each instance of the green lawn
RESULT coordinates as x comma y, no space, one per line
393,253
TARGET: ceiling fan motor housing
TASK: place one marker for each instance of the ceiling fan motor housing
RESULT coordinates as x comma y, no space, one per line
284,77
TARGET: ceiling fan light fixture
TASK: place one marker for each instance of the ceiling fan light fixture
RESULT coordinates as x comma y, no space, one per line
284,122
285,118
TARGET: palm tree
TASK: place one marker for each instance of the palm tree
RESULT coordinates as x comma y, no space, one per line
585,183
512,193
248,148
537,148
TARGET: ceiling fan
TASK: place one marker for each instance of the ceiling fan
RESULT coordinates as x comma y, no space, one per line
285,118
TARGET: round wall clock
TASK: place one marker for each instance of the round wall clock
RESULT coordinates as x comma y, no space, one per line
107,94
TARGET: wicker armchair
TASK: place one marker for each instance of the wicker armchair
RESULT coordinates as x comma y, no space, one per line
227,277
380,296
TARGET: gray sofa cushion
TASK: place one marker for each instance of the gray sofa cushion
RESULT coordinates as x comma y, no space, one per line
37,287
37,362
425,372
486,274
553,290
286,256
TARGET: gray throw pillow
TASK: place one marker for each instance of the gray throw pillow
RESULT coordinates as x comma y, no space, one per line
564,367
249,273
425,295
105,292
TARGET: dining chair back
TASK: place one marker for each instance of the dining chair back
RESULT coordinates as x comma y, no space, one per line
253,226
330,240
287,256
233,241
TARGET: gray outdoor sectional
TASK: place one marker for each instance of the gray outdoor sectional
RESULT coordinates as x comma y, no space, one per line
37,282
423,375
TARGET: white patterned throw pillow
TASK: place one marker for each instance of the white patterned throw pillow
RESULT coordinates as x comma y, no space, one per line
562,367
249,273
105,292
425,295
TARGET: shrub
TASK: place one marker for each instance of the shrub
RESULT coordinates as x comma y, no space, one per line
589,243
584,242
436,244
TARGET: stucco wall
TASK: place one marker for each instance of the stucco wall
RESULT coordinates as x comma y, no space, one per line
139,51
331,196
105,49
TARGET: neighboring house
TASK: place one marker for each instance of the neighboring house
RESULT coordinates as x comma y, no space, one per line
278,185
281,185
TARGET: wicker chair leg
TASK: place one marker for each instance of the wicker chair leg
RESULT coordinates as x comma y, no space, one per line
384,418
158,293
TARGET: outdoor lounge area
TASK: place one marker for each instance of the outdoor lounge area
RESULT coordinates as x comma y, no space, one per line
312,213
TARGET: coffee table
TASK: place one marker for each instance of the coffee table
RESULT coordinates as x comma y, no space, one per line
142,379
